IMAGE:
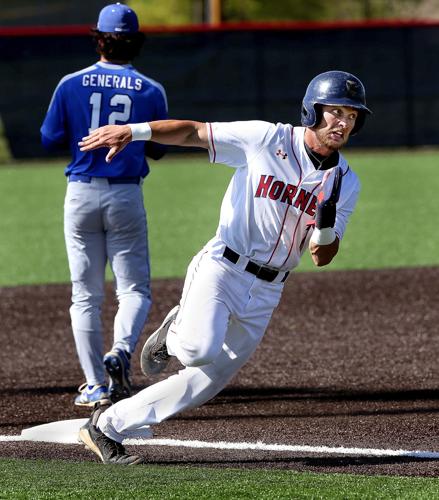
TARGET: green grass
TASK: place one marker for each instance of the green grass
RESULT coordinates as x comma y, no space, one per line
27,479
391,226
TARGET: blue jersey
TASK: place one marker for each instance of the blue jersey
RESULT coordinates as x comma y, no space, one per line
103,94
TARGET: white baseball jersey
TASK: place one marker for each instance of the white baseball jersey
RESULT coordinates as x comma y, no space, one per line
225,310
271,199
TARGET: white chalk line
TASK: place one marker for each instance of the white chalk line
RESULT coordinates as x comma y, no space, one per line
260,446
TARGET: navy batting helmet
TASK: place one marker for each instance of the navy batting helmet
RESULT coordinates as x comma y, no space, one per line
334,88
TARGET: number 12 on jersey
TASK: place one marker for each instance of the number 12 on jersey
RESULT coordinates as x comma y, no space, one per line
122,101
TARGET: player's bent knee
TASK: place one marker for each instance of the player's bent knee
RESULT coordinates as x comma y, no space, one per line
193,356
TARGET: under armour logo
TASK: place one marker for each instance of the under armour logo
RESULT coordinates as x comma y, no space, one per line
281,154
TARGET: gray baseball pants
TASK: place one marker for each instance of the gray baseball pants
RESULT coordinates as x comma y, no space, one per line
106,223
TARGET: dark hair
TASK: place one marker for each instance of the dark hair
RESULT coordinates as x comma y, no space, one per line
118,46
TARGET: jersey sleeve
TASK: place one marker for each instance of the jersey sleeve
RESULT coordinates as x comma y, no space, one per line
54,125
236,143
347,203
161,112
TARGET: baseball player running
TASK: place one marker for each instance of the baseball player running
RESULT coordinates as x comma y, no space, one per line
104,215
292,189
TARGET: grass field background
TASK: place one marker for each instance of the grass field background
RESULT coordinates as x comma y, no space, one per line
61,480
391,227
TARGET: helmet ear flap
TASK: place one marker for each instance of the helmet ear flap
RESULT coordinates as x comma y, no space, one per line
308,116
318,114
311,114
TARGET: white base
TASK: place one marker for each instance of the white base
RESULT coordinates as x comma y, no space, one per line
64,431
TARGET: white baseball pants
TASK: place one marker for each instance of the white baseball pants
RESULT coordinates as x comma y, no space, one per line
106,222
224,312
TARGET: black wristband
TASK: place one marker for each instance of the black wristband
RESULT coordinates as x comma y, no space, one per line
325,214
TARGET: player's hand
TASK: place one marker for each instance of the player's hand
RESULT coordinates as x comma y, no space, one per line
327,198
115,137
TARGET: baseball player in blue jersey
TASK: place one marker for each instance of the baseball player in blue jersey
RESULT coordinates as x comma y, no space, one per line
104,215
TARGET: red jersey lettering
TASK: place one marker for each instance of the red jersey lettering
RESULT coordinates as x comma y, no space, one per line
264,184
289,194
311,209
276,190
302,199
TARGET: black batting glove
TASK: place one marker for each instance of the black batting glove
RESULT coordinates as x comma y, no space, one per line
326,209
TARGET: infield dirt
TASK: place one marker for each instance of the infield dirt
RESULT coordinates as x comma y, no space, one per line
350,359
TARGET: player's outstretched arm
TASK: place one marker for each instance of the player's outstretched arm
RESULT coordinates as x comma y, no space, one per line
324,242
172,132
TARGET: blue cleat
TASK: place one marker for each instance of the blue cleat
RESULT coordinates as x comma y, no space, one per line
91,394
117,364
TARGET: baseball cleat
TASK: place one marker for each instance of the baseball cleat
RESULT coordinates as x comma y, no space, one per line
117,364
155,357
91,394
108,450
